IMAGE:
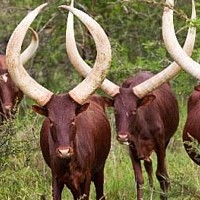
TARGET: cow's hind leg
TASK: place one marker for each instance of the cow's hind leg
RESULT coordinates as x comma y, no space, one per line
98,179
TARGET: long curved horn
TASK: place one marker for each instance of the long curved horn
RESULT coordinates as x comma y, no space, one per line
172,43
103,59
142,89
16,70
173,69
31,49
80,65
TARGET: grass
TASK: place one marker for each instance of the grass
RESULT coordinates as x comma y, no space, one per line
25,176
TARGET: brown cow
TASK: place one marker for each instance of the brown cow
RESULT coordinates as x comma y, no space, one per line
146,111
10,95
191,132
75,135
79,156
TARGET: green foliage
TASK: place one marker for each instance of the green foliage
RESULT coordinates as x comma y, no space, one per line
7,145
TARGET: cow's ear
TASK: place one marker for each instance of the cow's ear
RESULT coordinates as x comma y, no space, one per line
82,108
108,102
147,100
40,110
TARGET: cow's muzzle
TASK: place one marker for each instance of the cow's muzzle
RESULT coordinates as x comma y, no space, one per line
64,152
123,138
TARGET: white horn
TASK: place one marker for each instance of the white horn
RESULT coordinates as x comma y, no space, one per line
103,59
79,64
16,70
173,69
31,49
172,43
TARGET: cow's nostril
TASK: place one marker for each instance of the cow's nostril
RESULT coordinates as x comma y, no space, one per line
65,152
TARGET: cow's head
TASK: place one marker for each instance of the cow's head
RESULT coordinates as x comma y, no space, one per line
126,106
10,95
60,110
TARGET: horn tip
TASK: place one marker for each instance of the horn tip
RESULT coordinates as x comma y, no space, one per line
42,6
170,3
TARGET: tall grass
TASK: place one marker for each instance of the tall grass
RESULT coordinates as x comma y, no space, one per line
25,176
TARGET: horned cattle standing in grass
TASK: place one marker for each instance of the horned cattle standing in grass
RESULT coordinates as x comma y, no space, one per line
191,132
10,95
146,111
75,135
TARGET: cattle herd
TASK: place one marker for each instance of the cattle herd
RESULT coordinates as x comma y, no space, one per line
75,137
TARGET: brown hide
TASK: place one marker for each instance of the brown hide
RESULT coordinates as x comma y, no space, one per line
146,125
10,95
85,134
191,132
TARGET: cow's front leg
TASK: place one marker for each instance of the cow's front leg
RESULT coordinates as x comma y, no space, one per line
99,182
85,187
138,174
149,169
57,188
161,173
